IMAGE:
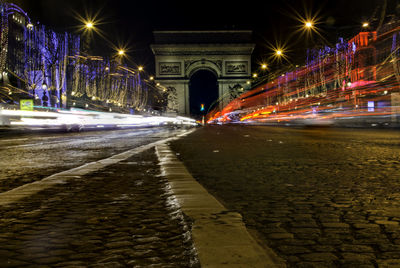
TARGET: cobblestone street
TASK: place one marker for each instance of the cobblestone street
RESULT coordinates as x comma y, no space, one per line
318,197
120,216
31,156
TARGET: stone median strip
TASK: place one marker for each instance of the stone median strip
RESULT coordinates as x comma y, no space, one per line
29,189
219,235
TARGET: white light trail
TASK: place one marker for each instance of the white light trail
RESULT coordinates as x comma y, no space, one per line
86,119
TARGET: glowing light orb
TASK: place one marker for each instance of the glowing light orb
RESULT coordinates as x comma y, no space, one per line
89,25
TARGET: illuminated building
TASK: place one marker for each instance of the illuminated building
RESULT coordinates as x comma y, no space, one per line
34,59
50,68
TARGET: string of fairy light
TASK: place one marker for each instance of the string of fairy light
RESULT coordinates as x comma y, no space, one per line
138,95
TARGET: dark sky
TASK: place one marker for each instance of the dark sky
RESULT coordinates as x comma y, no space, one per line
132,22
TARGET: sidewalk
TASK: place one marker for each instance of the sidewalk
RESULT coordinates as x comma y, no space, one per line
119,216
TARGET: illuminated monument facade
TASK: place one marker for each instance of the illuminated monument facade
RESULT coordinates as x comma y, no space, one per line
180,54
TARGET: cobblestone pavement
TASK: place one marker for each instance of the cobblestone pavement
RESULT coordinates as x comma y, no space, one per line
120,216
317,197
27,157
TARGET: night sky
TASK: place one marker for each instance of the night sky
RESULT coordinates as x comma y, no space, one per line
131,23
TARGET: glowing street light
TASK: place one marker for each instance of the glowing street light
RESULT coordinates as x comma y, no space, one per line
279,53
255,75
121,52
264,66
308,24
89,25
365,24
140,68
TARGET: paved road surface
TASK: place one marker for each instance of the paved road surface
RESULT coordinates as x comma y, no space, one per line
28,157
120,216
317,197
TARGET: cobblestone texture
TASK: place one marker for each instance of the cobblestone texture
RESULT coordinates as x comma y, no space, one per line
29,157
318,197
120,216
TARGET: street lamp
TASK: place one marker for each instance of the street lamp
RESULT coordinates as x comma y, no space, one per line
89,25
88,29
264,66
121,52
365,24
140,68
308,24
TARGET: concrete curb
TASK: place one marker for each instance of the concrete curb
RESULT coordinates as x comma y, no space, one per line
219,235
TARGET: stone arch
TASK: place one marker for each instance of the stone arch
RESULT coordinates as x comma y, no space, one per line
207,65
180,54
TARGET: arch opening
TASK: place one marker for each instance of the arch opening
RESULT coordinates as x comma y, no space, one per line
203,89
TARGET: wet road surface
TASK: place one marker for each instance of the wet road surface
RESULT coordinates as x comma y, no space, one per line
25,158
319,197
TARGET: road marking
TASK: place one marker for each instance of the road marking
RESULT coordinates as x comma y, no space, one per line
29,189
219,235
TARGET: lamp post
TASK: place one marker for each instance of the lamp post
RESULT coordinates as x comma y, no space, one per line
89,26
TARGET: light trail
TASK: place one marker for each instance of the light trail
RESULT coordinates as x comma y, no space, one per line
358,80
84,119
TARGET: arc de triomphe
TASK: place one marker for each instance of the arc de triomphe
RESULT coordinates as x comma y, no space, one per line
180,54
